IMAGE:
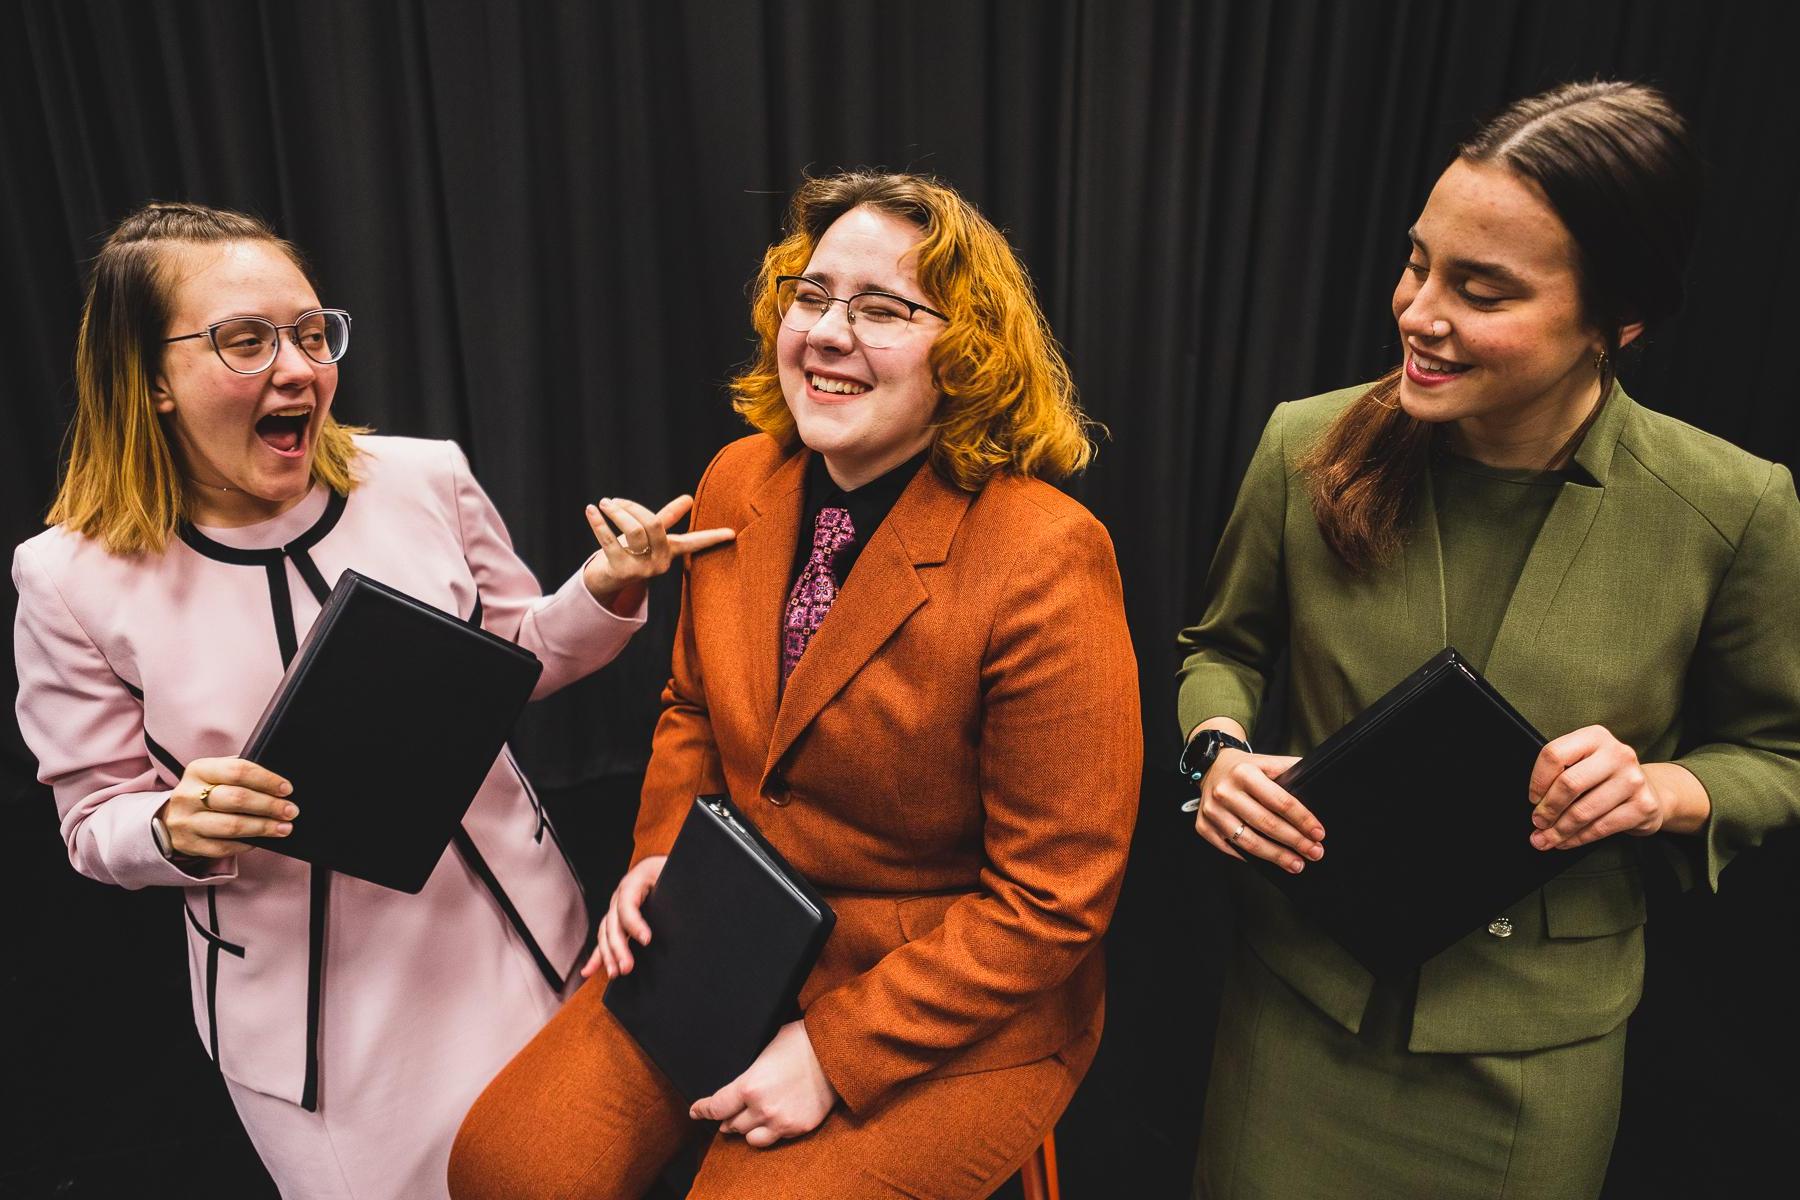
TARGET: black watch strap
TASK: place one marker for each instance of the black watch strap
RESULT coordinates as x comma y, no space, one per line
1198,755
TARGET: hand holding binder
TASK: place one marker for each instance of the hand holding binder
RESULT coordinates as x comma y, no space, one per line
624,921
1426,796
735,932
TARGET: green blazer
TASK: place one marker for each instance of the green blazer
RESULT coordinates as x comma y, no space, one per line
1661,599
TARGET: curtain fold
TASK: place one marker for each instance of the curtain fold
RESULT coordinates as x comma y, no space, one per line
544,215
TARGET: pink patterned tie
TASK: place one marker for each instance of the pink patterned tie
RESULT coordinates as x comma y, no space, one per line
815,589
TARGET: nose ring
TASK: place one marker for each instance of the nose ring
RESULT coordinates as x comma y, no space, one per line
1439,328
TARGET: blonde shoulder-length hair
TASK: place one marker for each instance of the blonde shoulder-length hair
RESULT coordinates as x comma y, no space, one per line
1008,402
122,483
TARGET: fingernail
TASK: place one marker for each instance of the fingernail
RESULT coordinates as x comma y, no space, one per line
1538,820
1295,866
1316,853
283,829
289,811
1318,833
1540,840
287,789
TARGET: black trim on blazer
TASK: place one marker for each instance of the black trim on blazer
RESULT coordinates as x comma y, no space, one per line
209,932
169,762
219,551
465,846
212,971
318,911
212,938
274,563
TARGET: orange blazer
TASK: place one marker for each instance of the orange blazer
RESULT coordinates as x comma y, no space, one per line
955,762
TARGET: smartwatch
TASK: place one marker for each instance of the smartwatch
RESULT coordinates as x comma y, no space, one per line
1198,755
164,843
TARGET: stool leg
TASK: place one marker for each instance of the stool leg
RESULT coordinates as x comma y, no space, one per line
1038,1175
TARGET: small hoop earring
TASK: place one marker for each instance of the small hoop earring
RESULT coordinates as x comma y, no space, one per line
1600,361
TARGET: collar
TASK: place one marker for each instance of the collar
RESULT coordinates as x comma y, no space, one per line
298,529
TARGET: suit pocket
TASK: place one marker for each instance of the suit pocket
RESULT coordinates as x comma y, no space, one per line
919,915
1594,905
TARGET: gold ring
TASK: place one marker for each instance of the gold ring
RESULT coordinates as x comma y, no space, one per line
205,792
634,553
1240,833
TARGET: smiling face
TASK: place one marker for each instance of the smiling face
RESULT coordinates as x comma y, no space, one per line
863,410
246,442
1490,314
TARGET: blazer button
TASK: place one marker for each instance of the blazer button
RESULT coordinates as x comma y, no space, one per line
1501,927
778,792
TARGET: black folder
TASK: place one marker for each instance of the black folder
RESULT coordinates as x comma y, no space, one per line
734,932
389,717
1424,799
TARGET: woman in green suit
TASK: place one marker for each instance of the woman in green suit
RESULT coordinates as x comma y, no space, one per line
1628,582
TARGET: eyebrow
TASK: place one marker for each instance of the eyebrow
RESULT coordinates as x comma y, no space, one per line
828,282
1474,266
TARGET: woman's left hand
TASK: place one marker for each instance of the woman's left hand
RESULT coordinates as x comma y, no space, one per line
783,1094
641,550
1588,785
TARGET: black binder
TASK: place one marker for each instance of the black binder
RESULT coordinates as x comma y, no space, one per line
1424,799
734,932
389,717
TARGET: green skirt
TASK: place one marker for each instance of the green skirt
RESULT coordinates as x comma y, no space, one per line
1298,1107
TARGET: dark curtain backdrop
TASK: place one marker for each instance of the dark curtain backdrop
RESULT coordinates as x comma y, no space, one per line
543,217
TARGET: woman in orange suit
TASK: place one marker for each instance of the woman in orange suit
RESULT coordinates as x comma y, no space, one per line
912,672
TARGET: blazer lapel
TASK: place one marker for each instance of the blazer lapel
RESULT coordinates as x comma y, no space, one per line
1558,542
1426,629
883,590
765,557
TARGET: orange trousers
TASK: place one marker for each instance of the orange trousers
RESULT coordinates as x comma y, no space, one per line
582,1113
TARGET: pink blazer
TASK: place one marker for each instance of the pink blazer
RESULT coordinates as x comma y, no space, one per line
129,668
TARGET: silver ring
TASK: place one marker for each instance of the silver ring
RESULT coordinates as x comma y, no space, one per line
1240,833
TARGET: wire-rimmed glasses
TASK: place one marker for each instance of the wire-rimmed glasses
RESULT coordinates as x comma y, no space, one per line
248,345
878,319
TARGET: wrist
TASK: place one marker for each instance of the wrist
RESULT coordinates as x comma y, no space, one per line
1684,801
626,600
1203,748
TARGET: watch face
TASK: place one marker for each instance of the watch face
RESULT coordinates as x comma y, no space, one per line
1198,754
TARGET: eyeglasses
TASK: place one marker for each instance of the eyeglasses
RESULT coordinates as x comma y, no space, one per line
248,345
878,319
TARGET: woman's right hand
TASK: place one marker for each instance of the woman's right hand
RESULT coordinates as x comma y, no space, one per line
221,799
1243,811
624,921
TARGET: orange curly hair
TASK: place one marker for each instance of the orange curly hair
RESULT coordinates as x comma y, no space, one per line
1007,400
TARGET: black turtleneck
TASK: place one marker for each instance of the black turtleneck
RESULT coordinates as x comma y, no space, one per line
869,506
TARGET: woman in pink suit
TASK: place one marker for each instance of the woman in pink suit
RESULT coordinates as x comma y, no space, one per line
209,503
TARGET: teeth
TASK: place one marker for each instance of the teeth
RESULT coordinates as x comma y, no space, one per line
1432,368
302,411
841,387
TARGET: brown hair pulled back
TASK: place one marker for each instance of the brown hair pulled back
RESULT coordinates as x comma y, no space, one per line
1616,163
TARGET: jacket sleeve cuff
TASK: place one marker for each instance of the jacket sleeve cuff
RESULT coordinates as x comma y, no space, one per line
575,624
843,1055
121,835
1747,803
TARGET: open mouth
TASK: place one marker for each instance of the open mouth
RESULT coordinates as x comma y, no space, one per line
1433,370
836,387
285,432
